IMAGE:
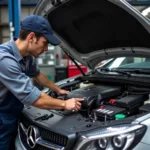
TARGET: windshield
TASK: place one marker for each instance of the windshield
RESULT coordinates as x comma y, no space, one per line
127,63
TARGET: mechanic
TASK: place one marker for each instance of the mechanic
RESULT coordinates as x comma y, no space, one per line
17,66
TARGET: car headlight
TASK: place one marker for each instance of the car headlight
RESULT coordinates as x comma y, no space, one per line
120,137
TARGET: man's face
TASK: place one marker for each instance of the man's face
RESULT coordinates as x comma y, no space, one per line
37,47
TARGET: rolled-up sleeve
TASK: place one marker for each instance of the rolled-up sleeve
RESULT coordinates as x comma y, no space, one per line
16,81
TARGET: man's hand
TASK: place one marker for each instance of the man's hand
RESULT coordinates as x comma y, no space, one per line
62,92
73,104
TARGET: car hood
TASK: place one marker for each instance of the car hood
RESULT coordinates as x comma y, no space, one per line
93,30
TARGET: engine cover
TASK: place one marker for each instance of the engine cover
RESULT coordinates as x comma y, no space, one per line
94,94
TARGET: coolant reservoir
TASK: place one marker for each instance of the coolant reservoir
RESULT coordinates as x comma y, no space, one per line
85,84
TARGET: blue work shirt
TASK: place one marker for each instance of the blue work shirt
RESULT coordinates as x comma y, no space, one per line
16,89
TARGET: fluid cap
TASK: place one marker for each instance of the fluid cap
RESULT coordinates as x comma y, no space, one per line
119,116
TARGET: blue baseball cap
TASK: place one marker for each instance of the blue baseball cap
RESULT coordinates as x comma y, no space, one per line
39,24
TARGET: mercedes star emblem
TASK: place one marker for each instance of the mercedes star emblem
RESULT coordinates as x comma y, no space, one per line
32,136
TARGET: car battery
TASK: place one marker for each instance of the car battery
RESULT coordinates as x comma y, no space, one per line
108,112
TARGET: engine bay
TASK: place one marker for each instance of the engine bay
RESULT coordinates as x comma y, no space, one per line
103,102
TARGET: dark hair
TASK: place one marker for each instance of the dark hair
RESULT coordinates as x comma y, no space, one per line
24,33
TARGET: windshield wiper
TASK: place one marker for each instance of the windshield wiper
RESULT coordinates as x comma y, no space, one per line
138,71
116,70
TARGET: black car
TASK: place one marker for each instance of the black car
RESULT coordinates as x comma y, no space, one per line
115,114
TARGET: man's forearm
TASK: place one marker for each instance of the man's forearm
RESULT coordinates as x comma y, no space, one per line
43,80
47,102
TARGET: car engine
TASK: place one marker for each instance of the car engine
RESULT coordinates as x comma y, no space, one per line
104,102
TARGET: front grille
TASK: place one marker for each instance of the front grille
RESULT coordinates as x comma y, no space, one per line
45,135
48,135
24,141
53,137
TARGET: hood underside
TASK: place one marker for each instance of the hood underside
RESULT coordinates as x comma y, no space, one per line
89,27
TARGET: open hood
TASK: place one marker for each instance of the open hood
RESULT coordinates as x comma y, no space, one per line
93,30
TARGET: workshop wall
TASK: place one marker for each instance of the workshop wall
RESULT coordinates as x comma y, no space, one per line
27,8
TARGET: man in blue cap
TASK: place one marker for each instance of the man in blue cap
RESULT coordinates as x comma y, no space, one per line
17,66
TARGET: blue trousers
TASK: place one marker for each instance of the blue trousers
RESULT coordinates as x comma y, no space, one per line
8,132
